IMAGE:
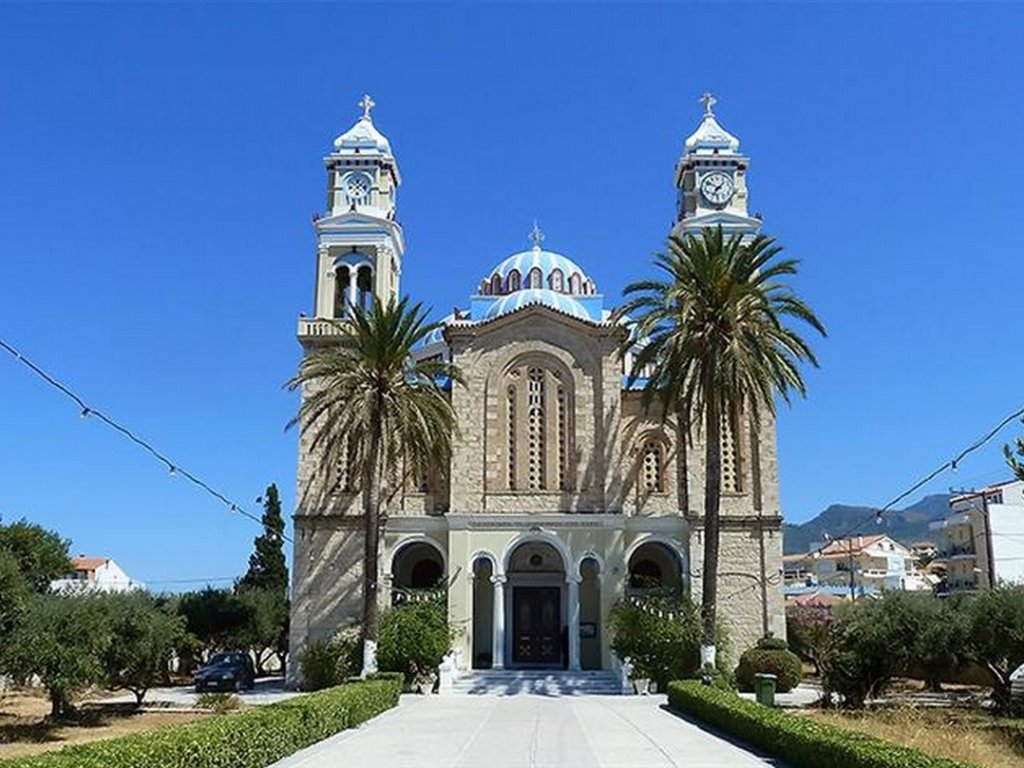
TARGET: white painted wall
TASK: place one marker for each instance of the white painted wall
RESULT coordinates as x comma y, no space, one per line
1007,522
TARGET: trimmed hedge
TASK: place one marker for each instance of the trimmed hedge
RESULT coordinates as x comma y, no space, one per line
251,739
800,741
770,656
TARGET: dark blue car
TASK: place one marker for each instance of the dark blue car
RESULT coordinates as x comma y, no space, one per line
230,671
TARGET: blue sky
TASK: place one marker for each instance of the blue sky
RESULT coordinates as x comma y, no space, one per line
159,166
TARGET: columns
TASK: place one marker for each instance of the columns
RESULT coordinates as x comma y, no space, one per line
498,651
573,603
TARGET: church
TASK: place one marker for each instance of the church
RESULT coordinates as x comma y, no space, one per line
563,496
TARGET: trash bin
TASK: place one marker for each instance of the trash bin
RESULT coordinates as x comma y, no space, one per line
764,689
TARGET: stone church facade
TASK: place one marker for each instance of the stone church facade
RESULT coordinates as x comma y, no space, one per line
562,495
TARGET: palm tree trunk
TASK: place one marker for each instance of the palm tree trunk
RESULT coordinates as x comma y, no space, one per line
371,547
712,502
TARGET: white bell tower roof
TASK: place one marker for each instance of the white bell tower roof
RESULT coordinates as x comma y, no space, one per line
363,137
710,137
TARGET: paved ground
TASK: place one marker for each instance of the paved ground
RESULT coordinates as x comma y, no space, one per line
267,691
527,732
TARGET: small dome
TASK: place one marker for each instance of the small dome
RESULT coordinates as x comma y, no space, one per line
364,138
543,296
537,269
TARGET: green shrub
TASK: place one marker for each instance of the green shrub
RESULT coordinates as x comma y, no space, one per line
770,656
413,639
331,663
799,741
661,638
254,738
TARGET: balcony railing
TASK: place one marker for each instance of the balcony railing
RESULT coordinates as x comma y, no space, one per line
314,327
966,550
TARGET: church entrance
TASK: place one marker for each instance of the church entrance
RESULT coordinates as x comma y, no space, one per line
536,619
537,626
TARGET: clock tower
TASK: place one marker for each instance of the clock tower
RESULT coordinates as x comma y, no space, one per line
359,240
712,180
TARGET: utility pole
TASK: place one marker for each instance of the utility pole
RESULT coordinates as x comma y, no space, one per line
853,589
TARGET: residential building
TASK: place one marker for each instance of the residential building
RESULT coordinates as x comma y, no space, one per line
862,564
95,574
562,493
982,537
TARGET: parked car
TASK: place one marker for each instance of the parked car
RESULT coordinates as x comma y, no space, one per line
231,671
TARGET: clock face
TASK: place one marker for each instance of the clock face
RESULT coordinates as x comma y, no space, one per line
357,187
717,188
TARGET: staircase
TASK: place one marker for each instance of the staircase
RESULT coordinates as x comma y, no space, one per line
556,682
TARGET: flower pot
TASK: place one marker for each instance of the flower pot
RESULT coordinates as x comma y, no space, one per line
641,685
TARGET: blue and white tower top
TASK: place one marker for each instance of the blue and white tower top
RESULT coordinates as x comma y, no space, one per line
710,138
711,177
363,137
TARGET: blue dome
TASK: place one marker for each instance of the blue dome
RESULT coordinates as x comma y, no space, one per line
557,273
530,296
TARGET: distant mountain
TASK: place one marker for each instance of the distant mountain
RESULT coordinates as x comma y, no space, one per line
905,525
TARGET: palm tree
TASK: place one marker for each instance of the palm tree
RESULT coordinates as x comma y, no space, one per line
369,406
714,339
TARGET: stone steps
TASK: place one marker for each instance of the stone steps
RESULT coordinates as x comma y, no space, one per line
558,682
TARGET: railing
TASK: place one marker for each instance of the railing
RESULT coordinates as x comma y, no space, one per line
966,550
312,326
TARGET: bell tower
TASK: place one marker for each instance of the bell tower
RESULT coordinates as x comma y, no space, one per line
711,177
359,240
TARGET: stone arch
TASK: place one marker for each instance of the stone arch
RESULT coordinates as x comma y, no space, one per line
542,536
589,555
404,548
662,554
536,418
486,554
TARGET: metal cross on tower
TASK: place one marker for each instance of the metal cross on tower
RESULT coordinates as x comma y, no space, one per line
366,104
536,236
708,100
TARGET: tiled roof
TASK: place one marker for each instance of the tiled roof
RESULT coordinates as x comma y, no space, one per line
83,563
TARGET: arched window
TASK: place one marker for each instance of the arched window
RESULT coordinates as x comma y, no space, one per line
537,430
346,474
496,284
652,467
513,281
536,278
731,464
557,281
512,423
364,287
485,288
342,278
574,283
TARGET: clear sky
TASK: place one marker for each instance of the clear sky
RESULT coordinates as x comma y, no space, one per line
159,166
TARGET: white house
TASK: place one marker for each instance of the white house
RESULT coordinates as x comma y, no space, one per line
867,563
95,574
983,537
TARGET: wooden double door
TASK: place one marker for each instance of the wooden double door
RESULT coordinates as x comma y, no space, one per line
537,626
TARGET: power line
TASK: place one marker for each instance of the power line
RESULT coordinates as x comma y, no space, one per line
173,468
878,516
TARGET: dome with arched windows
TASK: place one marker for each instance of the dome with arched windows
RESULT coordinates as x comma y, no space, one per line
538,269
560,302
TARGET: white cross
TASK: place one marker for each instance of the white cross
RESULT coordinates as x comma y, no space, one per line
366,104
536,236
708,101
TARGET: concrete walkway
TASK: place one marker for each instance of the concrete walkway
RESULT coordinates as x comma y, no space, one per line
527,732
